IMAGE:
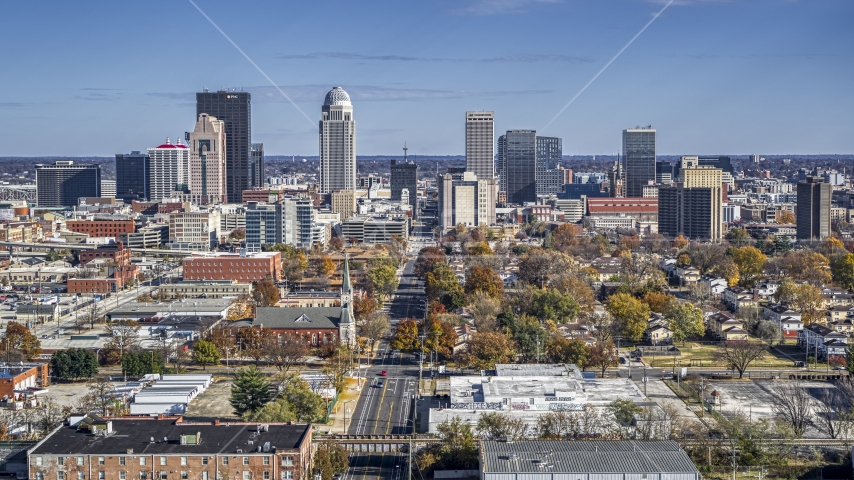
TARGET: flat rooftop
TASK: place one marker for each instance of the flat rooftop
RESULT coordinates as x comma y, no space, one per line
231,256
596,391
190,306
537,369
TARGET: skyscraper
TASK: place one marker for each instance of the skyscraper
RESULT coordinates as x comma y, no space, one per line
256,153
693,206
132,171
638,159
233,108
64,182
813,209
520,158
404,175
337,143
480,138
465,199
501,163
207,173
548,175
168,176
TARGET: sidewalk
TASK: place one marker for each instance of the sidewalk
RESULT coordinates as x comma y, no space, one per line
346,400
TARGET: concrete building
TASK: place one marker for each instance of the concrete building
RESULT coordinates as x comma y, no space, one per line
235,109
480,138
344,203
813,212
206,289
638,159
194,230
64,182
167,447
207,173
108,188
149,236
374,230
169,168
465,199
337,143
231,266
404,176
693,206
548,176
520,165
132,173
501,164
256,164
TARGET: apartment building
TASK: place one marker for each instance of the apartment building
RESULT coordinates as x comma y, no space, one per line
231,266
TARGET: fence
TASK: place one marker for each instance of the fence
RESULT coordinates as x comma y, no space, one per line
331,406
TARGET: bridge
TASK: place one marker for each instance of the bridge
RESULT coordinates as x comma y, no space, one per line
26,193
381,443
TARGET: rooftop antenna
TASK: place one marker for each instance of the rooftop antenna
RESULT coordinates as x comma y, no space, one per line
404,151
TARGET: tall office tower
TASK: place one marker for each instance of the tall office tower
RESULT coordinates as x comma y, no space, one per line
132,176
263,226
305,220
813,211
693,206
404,175
108,188
235,109
501,163
61,184
548,174
724,163
170,164
337,143
638,159
256,152
207,173
480,138
520,156
465,199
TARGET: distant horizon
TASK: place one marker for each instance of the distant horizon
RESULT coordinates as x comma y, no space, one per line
415,157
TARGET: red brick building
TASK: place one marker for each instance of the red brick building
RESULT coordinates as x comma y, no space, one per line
22,377
101,228
232,266
115,252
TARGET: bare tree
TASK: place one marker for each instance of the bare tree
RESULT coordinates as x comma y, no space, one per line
124,334
739,354
794,407
101,393
502,425
287,351
833,414
374,328
485,309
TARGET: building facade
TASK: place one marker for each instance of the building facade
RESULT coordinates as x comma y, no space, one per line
256,155
194,230
549,177
207,173
235,109
501,163
64,182
344,203
170,164
638,159
404,175
520,165
101,228
337,138
132,171
465,199
480,138
813,213
232,266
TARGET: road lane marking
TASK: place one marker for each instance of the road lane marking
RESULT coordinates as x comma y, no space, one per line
379,408
390,412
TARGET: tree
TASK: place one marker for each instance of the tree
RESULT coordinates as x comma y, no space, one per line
374,328
265,292
74,364
329,458
307,406
237,235
323,265
603,355
793,406
442,285
539,266
843,271
488,348
294,265
18,343
239,309
138,363
659,301
624,412
785,217
630,314
254,341
484,310
124,335
484,279
405,336
101,393
833,414
808,266
808,300
706,256
680,242
564,350
738,237
336,243
427,258
205,353
739,354
383,280
364,306
250,391
286,351
750,262
277,411
576,288
529,335
456,450
501,425
685,320
550,304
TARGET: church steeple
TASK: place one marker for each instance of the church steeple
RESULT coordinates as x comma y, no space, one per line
345,282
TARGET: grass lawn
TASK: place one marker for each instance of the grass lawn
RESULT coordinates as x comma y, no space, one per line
703,355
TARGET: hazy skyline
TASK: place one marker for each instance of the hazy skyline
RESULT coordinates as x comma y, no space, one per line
712,76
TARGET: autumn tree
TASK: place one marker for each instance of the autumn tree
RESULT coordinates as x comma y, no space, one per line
685,320
440,336
750,262
659,302
488,348
205,353
630,314
738,237
565,350
364,306
442,285
484,279
18,343
739,354
374,328
484,309
809,300
253,341
680,242
480,249
576,288
785,217
706,256
550,304
603,355
405,336
427,258
336,243
383,280
539,266
329,459
843,271
808,266
265,292
323,265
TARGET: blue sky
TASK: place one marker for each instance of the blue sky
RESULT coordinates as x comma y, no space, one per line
713,76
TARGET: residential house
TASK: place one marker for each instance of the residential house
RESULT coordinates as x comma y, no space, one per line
736,298
687,275
715,284
823,342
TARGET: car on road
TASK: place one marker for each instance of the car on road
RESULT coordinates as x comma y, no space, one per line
383,373
623,360
337,476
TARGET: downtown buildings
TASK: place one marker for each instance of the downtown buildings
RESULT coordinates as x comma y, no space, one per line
207,167
813,212
404,176
480,137
337,140
64,182
692,206
638,159
467,200
169,166
528,165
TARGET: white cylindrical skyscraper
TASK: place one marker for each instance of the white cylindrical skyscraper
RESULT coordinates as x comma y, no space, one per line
337,143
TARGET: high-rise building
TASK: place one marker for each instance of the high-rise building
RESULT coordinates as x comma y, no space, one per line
61,184
167,176
548,176
480,138
344,203
108,188
520,157
693,206
465,199
813,211
256,152
207,172
404,175
132,172
235,109
501,163
638,159
337,143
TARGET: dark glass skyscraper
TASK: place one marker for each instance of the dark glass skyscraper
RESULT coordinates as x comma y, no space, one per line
549,155
234,108
257,153
132,170
405,175
63,183
813,220
638,159
520,158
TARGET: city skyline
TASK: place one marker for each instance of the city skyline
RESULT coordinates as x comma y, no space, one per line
748,87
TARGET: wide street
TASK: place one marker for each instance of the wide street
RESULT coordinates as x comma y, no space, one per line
388,466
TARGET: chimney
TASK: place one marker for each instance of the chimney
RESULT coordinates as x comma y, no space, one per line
216,422
160,416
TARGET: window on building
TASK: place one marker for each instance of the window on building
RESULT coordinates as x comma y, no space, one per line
162,460
60,475
38,461
266,475
246,460
121,460
183,461
39,475
204,460
80,461
100,460
184,475
102,475
164,475
287,461
287,475
143,475
266,460
225,460
81,476
142,460
60,460
204,475
247,475
123,475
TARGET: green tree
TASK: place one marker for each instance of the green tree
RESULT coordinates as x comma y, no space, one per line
739,237
205,353
624,412
138,363
383,280
74,364
442,285
427,258
308,406
250,390
630,314
685,320
329,458
277,411
843,271
550,304
564,350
